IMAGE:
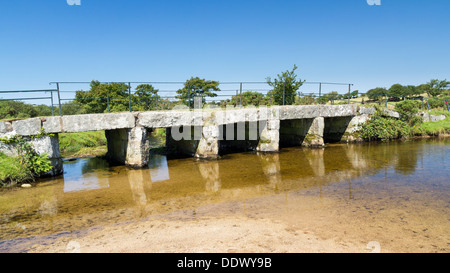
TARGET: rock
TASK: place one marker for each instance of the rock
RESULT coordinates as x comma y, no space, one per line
27,127
26,185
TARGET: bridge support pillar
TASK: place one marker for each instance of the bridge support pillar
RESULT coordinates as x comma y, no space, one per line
314,137
269,140
128,146
208,146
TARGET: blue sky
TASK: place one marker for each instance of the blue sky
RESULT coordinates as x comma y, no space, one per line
399,41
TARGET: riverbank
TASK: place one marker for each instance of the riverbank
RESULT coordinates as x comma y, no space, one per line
237,235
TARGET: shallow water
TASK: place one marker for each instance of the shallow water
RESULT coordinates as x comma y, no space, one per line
397,194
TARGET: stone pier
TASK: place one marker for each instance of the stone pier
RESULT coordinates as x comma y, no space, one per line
128,146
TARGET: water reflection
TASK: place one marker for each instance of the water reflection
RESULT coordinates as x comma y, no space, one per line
159,170
93,193
81,174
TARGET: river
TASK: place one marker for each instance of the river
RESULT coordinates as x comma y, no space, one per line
395,194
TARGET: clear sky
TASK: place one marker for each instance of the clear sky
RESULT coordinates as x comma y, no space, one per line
399,41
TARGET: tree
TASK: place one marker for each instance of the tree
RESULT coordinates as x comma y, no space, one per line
96,99
146,97
376,93
332,96
411,90
284,87
396,90
434,87
248,98
196,87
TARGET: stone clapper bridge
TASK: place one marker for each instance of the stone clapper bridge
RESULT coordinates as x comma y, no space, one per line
202,133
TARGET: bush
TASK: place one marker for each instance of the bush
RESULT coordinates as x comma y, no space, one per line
305,100
435,103
384,128
26,166
408,110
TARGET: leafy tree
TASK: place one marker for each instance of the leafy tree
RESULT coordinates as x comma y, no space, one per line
146,97
196,87
396,90
332,96
16,109
434,87
72,108
285,86
306,100
376,93
248,98
353,95
411,90
96,98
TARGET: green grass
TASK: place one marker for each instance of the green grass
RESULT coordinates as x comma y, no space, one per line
436,127
82,144
12,171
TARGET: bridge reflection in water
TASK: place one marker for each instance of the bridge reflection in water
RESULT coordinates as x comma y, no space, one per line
93,193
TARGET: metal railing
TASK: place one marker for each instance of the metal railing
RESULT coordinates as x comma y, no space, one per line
231,93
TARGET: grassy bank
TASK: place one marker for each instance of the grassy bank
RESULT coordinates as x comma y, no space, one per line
12,171
410,124
82,144
434,128
94,143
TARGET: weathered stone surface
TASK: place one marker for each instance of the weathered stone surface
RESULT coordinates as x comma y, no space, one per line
337,110
437,117
53,125
356,122
8,149
298,112
390,113
164,119
46,144
27,127
426,117
50,146
367,110
97,122
208,147
314,136
137,147
2,127
128,146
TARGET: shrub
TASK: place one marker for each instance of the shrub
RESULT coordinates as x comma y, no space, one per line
408,110
26,166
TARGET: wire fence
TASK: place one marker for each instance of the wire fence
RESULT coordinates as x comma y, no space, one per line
230,93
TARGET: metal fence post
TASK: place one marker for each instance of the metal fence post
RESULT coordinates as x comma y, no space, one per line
240,88
284,93
320,90
349,88
51,98
59,98
129,96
